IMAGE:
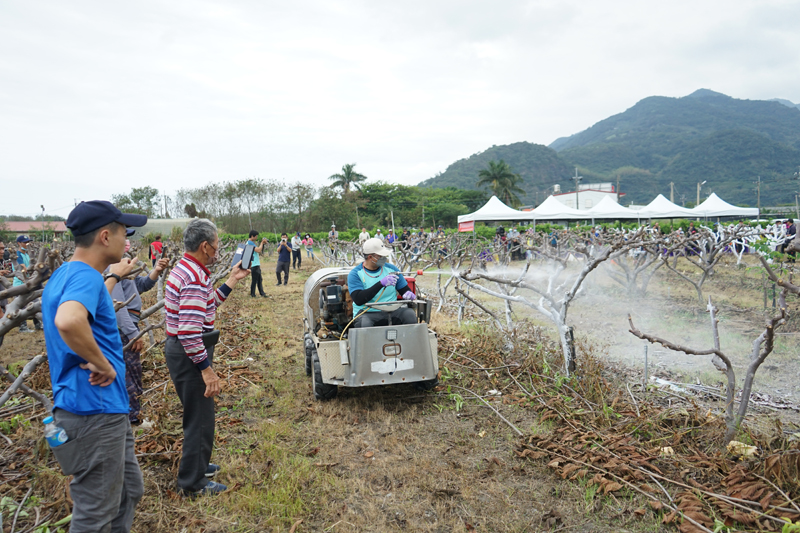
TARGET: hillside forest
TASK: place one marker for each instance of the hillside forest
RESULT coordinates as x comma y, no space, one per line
705,136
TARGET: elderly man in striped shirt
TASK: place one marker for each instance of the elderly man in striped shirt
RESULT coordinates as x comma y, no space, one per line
191,303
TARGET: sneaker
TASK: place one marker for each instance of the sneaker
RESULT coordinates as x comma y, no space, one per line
285,282
211,489
212,470
278,284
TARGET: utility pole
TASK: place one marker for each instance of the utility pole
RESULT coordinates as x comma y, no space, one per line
617,189
577,181
796,206
758,192
672,192
422,224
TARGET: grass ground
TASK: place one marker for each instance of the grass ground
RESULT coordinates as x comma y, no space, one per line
377,459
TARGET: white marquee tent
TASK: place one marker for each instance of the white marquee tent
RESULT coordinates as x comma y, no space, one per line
552,209
494,209
714,206
663,208
609,209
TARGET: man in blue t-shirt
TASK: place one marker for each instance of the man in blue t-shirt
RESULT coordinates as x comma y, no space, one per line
375,281
87,371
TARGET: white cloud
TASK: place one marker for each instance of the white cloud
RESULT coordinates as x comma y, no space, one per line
98,96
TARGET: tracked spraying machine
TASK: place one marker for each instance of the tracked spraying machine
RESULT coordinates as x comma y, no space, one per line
336,353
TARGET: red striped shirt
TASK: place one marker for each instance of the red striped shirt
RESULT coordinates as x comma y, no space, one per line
191,305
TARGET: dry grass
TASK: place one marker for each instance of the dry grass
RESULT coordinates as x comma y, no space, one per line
377,459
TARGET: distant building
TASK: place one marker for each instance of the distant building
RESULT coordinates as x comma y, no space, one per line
587,196
34,228
161,226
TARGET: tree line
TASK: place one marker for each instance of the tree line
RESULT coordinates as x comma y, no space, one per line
274,205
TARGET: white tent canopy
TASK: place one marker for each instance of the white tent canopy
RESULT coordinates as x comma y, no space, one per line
552,209
494,209
714,206
663,208
609,209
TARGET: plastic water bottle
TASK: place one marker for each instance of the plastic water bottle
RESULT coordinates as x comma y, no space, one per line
55,435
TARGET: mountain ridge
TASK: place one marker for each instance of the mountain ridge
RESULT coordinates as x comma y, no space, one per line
704,136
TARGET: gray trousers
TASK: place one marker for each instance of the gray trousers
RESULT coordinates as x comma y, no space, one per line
403,315
282,266
107,484
198,416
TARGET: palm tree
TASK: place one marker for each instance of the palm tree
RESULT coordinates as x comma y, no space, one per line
347,178
502,181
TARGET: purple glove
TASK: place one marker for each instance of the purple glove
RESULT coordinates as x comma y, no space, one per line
409,296
391,279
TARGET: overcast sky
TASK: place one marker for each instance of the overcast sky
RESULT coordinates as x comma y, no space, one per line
97,97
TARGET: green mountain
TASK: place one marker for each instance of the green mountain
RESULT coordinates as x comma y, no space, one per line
539,166
705,136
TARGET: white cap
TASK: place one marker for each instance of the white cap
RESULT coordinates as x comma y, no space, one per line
375,246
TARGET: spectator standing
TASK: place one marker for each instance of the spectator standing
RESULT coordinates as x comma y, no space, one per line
405,237
284,257
156,249
333,235
514,244
191,304
297,250
363,236
379,235
308,242
255,266
20,266
791,231
128,324
87,371
391,237
3,272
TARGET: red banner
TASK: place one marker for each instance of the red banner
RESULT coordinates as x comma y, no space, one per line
466,226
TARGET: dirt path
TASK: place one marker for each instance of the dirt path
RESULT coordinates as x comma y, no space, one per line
380,459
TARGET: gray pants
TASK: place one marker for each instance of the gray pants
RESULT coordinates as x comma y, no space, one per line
282,266
107,484
403,315
198,416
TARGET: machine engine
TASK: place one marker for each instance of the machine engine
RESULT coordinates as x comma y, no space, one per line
335,307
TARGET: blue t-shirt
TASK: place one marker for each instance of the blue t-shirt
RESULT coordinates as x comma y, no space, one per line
361,278
256,256
78,282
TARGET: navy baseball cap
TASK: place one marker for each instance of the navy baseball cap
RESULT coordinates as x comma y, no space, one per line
92,215
23,238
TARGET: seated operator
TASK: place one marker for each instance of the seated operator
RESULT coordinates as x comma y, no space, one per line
375,280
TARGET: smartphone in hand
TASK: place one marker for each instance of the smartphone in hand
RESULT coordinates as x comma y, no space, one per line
247,256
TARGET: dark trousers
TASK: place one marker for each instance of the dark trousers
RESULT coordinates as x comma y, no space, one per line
403,315
133,379
297,257
256,281
198,416
283,266
107,483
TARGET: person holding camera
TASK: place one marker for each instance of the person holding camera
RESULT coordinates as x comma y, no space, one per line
284,258
255,265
